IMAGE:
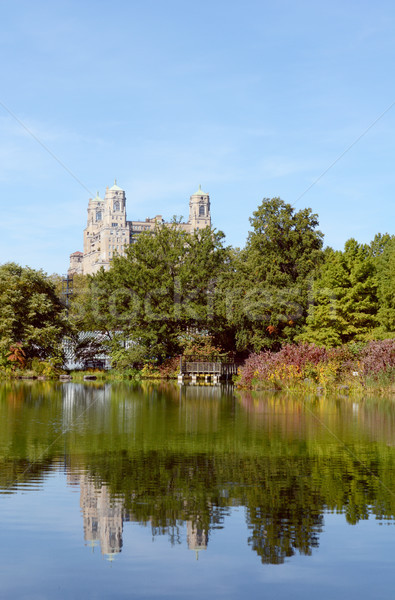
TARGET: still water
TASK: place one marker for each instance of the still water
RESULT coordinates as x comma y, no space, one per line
116,491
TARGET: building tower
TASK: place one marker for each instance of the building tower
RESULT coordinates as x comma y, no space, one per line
75,263
107,232
199,210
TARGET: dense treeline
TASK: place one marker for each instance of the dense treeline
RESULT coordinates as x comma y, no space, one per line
173,291
282,287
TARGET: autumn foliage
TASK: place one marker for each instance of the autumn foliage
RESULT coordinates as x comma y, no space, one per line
313,364
17,356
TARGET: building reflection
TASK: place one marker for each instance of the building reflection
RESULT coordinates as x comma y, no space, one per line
197,539
103,518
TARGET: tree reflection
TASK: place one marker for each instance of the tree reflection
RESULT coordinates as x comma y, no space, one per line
177,459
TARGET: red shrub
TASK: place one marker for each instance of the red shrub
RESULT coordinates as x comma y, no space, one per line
378,356
259,366
372,359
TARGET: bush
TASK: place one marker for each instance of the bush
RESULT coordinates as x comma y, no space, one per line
168,369
378,357
300,360
296,362
46,368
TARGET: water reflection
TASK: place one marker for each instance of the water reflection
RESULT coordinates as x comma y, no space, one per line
180,459
104,515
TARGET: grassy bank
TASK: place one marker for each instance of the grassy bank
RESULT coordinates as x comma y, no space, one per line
127,374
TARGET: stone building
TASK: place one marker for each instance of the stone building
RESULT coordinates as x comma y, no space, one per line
108,231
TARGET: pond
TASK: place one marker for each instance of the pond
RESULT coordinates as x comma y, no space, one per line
161,491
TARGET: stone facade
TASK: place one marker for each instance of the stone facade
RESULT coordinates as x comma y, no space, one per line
108,231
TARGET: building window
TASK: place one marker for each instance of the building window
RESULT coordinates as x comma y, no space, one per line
98,215
114,224
201,211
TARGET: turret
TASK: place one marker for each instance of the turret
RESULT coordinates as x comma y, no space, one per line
199,210
95,210
115,197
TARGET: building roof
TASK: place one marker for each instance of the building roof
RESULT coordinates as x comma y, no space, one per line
116,187
98,199
200,192
78,253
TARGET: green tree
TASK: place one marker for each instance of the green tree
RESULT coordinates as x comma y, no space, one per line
380,243
386,287
344,298
165,286
31,315
271,280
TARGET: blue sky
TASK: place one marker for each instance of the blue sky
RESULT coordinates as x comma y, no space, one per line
250,99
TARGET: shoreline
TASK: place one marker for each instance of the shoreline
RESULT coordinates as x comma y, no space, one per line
345,387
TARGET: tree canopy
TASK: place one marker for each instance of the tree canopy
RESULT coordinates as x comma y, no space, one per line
344,301
272,275
162,291
31,314
353,295
385,265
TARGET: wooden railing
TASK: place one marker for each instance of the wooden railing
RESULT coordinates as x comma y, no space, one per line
200,366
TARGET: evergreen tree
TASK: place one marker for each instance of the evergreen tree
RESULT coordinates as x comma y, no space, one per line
386,288
344,297
270,291
379,244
